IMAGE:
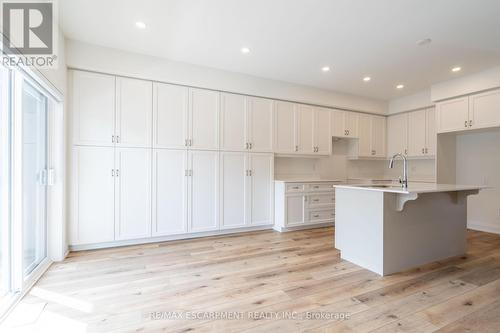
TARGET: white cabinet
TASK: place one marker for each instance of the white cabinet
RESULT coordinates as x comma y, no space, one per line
371,137
305,126
484,110
134,113
260,118
93,108
344,124
261,167
203,119
132,193
234,187
397,134
233,123
421,134
170,116
203,190
169,192
294,210
286,131
453,115
322,131
92,188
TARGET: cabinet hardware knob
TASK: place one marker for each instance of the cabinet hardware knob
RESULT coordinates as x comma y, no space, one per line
316,215
315,200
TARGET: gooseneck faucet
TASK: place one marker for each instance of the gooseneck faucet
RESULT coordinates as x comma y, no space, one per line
404,181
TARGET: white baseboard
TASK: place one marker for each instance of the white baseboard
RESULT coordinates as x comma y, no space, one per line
302,227
483,227
95,246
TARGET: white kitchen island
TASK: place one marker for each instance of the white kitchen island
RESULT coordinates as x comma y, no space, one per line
388,229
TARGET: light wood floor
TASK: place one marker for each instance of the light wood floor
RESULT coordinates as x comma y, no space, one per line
261,274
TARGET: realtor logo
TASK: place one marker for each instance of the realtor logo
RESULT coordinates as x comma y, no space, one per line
29,35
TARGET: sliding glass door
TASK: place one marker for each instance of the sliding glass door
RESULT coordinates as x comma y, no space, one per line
34,177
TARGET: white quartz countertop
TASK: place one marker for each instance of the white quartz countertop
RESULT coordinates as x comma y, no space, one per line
308,180
412,188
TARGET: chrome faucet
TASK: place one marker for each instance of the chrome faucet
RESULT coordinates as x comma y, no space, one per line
404,181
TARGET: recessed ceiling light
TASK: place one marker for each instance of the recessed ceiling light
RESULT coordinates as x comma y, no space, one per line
140,25
456,69
325,69
245,50
400,86
367,78
424,41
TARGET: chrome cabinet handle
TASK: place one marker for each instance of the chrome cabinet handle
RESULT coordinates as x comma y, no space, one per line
112,172
246,145
117,139
186,172
423,150
466,123
296,148
250,145
316,186
113,139
117,172
316,215
315,200
470,123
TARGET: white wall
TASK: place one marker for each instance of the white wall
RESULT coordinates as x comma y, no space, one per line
416,101
478,163
485,80
101,59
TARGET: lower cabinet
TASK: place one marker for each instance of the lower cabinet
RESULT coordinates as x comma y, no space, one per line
300,205
246,184
111,194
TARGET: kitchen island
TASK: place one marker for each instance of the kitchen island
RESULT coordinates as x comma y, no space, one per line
389,229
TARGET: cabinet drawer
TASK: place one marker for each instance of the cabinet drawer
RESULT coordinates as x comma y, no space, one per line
321,187
318,200
314,216
291,188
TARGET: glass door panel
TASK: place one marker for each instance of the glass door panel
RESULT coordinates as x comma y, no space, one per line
34,177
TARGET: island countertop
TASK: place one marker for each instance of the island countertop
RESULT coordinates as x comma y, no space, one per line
412,188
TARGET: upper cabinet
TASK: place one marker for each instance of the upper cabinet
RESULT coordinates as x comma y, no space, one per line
344,124
467,113
246,123
397,134
371,134
134,112
203,119
109,111
302,129
170,116
93,104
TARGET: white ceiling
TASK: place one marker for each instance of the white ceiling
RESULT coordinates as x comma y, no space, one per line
290,40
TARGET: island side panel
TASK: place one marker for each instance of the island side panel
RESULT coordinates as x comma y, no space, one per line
430,228
359,227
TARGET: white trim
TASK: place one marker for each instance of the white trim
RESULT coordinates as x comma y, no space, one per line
84,247
478,226
305,226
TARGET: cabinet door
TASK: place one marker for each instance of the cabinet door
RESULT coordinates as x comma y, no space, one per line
351,124
262,189
365,136
133,193
260,124
204,119
417,136
322,131
233,190
203,191
285,130
294,210
431,137
485,109
92,195
338,123
169,192
397,134
453,115
170,123
134,112
233,122
93,100
378,133
305,125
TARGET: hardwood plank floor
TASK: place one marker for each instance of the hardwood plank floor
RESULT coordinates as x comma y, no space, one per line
268,282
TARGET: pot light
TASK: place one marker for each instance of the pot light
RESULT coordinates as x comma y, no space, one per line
245,50
400,86
367,78
456,69
140,25
325,69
